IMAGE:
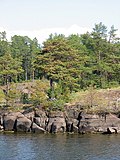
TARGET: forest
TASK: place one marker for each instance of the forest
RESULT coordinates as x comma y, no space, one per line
68,64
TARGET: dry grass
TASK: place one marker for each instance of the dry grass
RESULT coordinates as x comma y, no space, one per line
98,100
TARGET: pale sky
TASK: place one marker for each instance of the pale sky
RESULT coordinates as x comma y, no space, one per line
39,18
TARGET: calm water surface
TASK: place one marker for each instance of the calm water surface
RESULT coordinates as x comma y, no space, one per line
59,147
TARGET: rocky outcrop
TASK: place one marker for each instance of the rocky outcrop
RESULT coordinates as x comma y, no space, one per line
9,120
37,129
97,123
40,118
1,128
56,122
1,120
71,120
23,124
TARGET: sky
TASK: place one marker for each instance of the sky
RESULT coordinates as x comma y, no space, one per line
40,18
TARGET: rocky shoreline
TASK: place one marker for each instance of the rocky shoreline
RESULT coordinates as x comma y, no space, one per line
71,121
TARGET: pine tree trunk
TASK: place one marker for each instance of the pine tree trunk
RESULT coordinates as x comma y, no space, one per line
51,83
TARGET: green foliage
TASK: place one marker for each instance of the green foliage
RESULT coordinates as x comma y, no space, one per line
25,98
59,92
9,67
38,93
58,96
25,50
69,63
12,95
2,98
57,104
59,61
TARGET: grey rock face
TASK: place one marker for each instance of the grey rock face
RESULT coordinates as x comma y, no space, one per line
23,124
56,125
41,121
58,122
9,120
36,129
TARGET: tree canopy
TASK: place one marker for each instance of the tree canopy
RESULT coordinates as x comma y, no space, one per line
76,61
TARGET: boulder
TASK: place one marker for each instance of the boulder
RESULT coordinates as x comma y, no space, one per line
1,128
41,121
93,123
40,118
9,120
1,120
107,132
56,125
75,129
71,127
8,123
101,129
23,124
39,113
97,123
36,129
54,114
29,115
72,113
112,121
113,130
73,119
56,122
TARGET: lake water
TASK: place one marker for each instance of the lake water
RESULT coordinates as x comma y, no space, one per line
59,147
